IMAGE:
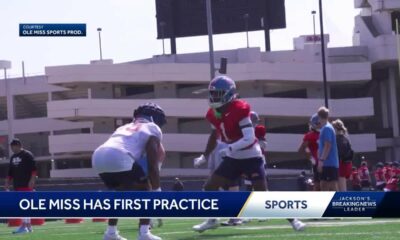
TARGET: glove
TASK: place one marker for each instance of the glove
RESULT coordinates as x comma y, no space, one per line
197,162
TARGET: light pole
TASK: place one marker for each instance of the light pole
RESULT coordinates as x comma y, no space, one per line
321,22
10,104
313,12
101,53
210,38
246,25
162,25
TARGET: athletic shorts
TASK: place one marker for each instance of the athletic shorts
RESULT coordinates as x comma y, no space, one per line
316,176
125,179
345,169
233,169
108,159
329,174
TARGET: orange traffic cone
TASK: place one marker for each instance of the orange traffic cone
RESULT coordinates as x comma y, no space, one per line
99,220
37,221
14,222
73,220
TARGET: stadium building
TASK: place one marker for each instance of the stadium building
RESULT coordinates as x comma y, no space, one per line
65,114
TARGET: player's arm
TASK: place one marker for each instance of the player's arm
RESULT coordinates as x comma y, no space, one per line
33,170
248,135
152,148
303,146
211,144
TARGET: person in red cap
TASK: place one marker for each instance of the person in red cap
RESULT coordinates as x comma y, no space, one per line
22,176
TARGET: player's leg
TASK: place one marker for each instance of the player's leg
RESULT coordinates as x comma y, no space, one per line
137,180
111,182
316,178
223,176
233,187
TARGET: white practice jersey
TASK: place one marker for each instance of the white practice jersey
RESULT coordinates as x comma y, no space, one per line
130,139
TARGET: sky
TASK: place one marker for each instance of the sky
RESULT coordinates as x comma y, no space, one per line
129,31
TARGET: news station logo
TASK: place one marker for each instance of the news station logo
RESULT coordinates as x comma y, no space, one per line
52,30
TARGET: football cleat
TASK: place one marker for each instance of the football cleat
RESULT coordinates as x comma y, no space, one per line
113,236
298,225
148,236
206,225
21,230
232,222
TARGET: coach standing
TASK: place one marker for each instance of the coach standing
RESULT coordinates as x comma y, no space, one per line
327,153
21,175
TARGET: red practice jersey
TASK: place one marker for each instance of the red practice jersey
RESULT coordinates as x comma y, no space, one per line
393,184
364,173
379,175
312,138
387,171
227,125
355,178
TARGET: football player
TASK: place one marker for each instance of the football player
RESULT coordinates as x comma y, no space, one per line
130,159
365,175
355,179
387,171
379,177
310,147
394,182
230,119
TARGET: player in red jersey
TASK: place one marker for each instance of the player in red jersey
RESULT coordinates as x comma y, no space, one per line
395,168
364,175
230,118
355,180
379,177
387,171
393,185
260,132
310,147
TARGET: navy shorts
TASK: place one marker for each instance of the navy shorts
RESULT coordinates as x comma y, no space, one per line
329,174
233,169
124,180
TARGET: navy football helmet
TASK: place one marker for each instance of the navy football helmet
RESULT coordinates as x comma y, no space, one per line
151,112
314,121
222,90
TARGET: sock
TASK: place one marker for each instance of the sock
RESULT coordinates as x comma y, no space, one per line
111,229
144,229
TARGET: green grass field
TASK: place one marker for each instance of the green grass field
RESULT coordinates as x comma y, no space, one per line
366,229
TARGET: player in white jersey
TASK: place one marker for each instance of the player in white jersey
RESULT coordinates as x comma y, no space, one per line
129,161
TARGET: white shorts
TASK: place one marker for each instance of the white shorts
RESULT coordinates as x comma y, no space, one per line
109,160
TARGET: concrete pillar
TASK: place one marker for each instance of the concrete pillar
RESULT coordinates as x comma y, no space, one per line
384,104
10,109
250,89
394,114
